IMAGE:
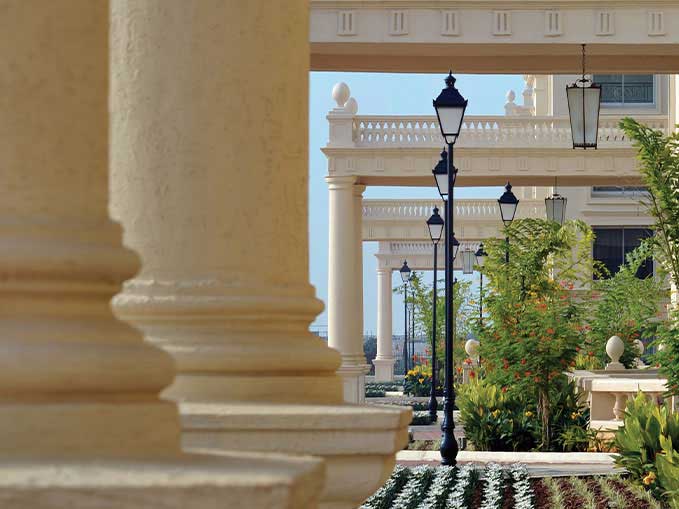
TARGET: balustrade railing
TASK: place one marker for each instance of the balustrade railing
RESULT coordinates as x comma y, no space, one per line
486,131
464,209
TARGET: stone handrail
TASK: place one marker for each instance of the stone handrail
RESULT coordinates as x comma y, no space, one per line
464,209
486,131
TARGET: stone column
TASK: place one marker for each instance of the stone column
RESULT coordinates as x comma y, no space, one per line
210,180
344,291
81,420
384,362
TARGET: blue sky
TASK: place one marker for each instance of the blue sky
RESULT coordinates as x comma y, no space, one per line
386,94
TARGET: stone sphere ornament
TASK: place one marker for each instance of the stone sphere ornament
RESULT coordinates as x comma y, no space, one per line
341,94
472,348
615,347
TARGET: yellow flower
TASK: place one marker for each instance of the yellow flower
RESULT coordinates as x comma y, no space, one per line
496,413
575,415
421,380
528,413
649,479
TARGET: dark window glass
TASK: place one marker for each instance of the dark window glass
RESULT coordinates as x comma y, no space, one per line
626,88
608,248
611,246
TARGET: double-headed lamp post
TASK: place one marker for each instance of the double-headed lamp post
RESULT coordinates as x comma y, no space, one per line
508,203
480,260
405,277
450,107
435,224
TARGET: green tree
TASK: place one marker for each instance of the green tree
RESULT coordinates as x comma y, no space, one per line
659,157
532,331
421,295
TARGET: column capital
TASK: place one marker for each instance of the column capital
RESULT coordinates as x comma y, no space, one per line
384,270
340,183
358,190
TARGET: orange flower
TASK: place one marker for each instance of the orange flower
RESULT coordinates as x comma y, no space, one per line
504,389
528,373
472,374
523,362
550,331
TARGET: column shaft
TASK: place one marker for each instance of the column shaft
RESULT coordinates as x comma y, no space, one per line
217,203
74,380
384,363
344,290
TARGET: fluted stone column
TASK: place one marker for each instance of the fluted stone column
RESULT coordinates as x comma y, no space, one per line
345,288
384,362
81,420
210,174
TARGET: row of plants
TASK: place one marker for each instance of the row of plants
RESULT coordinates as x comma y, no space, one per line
497,487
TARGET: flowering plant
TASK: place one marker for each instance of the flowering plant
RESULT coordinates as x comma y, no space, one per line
417,381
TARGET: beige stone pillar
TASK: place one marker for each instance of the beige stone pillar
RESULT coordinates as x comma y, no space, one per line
209,171
81,420
384,362
345,284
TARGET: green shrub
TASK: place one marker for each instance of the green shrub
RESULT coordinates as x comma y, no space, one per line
421,419
495,419
374,393
418,381
385,386
647,446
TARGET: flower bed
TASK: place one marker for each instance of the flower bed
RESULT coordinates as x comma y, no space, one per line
498,487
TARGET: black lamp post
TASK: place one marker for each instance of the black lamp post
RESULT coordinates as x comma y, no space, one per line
435,224
405,277
450,107
584,102
508,204
480,260
412,327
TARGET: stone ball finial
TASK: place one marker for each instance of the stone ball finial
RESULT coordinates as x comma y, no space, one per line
511,96
351,106
640,347
472,348
341,93
615,347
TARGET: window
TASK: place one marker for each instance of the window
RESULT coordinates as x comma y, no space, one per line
611,246
617,191
626,88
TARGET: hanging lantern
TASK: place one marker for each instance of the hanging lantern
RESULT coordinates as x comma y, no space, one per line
556,208
584,102
468,259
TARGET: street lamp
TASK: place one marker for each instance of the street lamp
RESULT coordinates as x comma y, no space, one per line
412,326
480,260
435,224
584,102
405,277
508,204
450,107
440,172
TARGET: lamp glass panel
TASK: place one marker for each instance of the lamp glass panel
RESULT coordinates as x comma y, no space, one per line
442,183
450,120
591,114
577,114
435,231
507,211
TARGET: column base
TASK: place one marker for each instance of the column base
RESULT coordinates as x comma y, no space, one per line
187,480
358,444
384,370
353,380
